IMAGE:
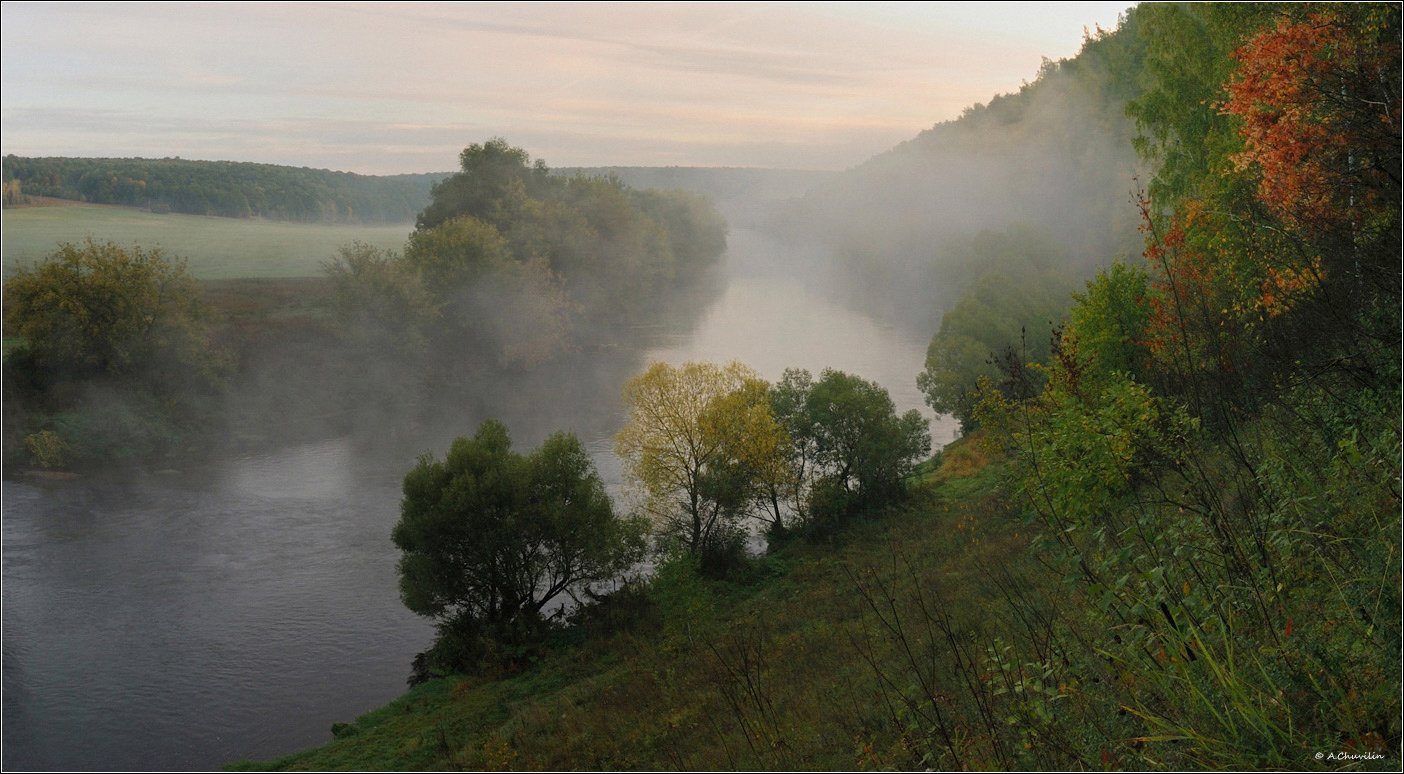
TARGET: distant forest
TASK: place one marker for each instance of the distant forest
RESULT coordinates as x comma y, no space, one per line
228,189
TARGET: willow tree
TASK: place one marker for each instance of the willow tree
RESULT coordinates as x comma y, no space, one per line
698,442
489,538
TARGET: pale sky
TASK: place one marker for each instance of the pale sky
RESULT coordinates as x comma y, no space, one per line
380,89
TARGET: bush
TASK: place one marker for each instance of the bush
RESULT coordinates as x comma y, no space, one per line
113,359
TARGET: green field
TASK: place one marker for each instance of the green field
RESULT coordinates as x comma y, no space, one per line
215,248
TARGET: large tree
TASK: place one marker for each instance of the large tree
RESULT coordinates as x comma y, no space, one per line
490,538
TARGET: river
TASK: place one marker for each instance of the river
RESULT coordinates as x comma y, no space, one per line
187,620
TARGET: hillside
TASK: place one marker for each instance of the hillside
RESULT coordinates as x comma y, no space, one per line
1055,158
1171,536
788,665
231,189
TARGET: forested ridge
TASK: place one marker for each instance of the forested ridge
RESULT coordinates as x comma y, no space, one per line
1053,164
237,189
230,189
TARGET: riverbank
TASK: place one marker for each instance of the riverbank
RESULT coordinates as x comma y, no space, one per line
784,667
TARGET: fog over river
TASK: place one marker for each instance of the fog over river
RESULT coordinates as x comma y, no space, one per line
191,619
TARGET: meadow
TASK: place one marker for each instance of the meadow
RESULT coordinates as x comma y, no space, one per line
214,248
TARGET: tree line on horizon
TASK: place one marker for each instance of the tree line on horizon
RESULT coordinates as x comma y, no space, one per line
229,189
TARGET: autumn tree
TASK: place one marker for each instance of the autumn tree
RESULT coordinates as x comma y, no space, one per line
696,440
1317,99
1317,102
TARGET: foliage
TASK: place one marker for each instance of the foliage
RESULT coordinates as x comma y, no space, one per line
378,300
1318,102
1188,559
455,253
47,448
862,446
695,438
1197,459
515,311
1185,64
116,360
522,265
224,188
98,308
490,538
1109,321
710,445
751,468
1016,296
489,172
788,490
604,239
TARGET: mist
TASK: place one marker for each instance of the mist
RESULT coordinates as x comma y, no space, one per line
342,381
1055,159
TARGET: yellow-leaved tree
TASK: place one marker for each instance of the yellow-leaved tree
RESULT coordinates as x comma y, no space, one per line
698,447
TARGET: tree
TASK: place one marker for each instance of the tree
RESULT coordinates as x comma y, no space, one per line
695,438
99,309
1317,99
751,467
490,538
489,172
516,311
864,448
1109,320
456,253
788,488
1018,293
380,301
114,358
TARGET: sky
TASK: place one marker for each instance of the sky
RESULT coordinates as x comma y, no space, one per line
383,89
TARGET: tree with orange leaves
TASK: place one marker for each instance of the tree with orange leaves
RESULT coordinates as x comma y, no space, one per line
1318,101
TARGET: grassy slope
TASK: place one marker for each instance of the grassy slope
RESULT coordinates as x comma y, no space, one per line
780,671
216,248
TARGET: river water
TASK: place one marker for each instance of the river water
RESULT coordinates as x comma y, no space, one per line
187,620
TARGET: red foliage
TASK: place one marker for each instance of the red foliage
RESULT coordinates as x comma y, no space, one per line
1320,117
1192,290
